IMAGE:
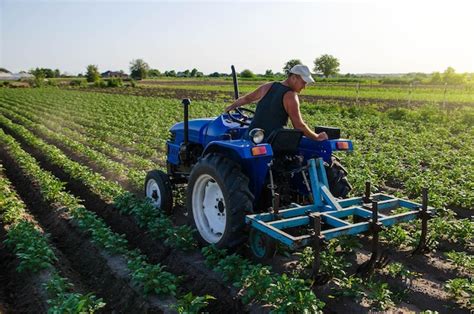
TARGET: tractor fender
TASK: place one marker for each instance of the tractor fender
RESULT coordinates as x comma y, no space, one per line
237,150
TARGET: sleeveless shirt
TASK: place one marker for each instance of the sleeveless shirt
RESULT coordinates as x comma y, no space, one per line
270,113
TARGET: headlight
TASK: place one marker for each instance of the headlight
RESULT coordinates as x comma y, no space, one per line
257,135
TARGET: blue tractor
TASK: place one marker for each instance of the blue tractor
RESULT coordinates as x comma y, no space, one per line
243,185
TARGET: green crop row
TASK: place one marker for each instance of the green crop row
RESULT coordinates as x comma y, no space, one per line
135,177
53,192
34,252
53,121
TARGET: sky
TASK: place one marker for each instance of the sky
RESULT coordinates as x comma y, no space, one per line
366,36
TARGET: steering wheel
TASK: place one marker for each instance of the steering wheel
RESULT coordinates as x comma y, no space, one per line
243,119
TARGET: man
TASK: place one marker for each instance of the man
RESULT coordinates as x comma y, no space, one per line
279,100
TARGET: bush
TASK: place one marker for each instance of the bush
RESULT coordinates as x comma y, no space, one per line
6,84
115,82
100,84
78,83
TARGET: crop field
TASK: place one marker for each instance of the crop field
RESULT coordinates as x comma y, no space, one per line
77,236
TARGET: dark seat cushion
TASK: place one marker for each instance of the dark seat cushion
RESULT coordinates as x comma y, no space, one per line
285,141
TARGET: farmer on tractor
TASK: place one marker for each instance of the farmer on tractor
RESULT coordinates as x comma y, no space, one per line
279,100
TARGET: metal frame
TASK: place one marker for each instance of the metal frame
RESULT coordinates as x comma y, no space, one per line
332,212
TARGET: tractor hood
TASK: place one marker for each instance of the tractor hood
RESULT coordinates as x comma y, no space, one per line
196,130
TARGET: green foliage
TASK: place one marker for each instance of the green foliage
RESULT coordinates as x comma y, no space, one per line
233,267
154,73
292,295
291,63
247,74
100,83
63,301
395,236
379,295
92,74
332,263
327,65
461,259
153,277
78,83
462,290
213,255
190,304
398,270
452,78
30,246
256,282
350,286
45,73
139,69
114,82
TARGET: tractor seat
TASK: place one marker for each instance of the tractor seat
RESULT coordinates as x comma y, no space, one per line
285,141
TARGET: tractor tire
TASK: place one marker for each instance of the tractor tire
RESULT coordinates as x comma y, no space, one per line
337,179
158,190
218,198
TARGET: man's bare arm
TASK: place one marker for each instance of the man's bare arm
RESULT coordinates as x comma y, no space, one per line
254,96
292,107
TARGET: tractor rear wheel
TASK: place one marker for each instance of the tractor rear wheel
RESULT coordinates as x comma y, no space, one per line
337,179
158,190
217,199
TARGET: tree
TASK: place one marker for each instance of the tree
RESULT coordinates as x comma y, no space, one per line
269,73
194,72
57,73
154,73
436,78
327,65
186,73
452,78
171,73
139,69
247,73
290,64
92,74
215,74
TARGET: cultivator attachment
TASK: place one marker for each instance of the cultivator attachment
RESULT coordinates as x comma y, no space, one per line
328,218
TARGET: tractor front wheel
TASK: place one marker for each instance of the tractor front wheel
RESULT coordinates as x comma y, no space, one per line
217,199
158,190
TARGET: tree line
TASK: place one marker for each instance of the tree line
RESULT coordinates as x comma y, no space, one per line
325,66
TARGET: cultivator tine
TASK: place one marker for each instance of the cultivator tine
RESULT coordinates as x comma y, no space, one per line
366,198
424,215
377,260
316,275
276,206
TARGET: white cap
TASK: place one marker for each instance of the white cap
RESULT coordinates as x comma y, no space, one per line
303,71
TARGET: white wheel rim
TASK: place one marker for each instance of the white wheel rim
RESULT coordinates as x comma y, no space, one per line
153,193
209,209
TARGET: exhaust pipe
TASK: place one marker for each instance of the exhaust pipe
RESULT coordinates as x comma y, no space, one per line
186,102
236,86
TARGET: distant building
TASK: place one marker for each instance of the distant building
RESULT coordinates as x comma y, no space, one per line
114,74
